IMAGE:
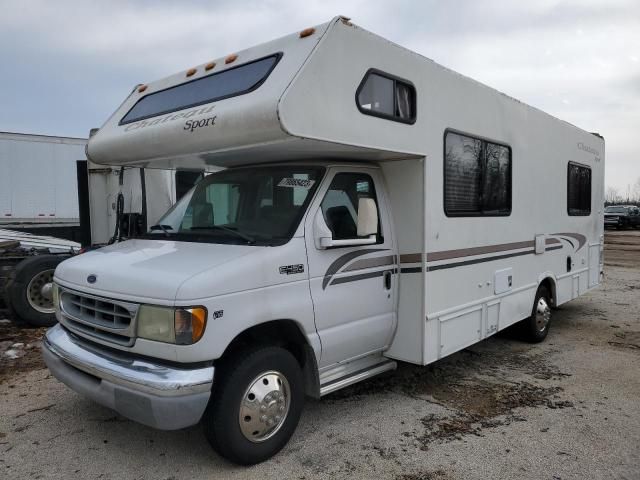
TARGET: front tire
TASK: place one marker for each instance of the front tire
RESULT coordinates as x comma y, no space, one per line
535,328
256,405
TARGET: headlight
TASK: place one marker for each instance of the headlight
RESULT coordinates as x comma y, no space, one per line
182,326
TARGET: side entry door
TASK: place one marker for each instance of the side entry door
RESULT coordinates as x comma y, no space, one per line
353,277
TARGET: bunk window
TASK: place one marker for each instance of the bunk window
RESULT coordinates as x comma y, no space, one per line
386,96
578,190
218,86
477,177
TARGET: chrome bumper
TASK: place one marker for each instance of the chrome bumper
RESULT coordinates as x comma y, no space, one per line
154,394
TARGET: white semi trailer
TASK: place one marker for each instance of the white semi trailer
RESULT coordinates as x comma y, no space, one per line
38,188
376,207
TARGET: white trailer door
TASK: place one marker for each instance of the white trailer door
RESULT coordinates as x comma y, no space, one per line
353,288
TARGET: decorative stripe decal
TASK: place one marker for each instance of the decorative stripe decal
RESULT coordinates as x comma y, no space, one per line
467,252
411,270
411,258
343,260
581,239
487,259
340,262
371,262
355,278
477,260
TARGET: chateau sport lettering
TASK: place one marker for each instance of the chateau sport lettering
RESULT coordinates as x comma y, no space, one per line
189,125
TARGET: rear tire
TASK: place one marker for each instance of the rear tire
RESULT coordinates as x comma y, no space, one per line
535,328
256,404
29,290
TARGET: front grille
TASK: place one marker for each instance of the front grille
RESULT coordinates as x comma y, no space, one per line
102,318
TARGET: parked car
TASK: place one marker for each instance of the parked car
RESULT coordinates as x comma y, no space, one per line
622,216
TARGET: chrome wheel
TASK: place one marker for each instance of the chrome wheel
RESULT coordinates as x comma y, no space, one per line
543,314
265,406
40,292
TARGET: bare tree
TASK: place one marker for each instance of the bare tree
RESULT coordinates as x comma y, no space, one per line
612,195
636,191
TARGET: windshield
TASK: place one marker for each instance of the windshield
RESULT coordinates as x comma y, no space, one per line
615,210
257,206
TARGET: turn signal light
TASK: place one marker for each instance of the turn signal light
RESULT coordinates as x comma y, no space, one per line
190,324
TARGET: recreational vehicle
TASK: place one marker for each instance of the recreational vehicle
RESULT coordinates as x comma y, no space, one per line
373,207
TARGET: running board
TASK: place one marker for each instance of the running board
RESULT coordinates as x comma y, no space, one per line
353,372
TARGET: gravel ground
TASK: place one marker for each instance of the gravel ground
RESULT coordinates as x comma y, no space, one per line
566,408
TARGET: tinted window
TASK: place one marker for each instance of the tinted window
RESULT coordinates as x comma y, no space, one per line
578,190
228,83
477,177
388,97
340,204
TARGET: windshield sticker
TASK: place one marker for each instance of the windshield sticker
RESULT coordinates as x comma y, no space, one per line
296,182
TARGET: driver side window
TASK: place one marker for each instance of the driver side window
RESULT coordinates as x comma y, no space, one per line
340,204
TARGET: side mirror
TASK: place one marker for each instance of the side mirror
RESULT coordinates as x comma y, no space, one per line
367,217
367,227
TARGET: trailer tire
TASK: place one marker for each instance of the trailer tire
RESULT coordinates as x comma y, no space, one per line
25,288
256,404
535,328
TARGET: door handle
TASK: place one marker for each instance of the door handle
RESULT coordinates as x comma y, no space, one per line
386,278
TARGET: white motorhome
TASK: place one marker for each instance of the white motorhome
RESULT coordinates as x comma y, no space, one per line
374,207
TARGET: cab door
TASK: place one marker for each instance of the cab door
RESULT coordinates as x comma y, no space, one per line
354,283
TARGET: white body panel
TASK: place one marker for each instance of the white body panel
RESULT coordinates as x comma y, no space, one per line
38,182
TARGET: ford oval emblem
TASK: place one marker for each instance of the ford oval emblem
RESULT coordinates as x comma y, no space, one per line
92,279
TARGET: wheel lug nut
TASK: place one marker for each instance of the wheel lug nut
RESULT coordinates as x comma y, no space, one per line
278,418
263,408
263,418
281,408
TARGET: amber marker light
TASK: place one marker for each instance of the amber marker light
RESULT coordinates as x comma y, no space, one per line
209,66
142,88
307,32
189,324
191,72
231,58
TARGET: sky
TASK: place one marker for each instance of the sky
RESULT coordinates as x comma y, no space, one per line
67,64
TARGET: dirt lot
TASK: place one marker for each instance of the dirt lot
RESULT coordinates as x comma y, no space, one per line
566,408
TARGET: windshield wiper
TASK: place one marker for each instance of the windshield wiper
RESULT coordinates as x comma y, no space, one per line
164,228
250,240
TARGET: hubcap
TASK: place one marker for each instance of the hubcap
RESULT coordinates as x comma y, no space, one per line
40,292
543,314
264,406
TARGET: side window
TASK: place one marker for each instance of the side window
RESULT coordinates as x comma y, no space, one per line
578,190
477,177
340,204
383,95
